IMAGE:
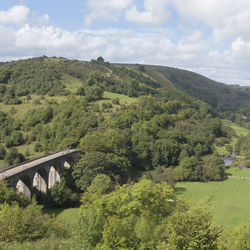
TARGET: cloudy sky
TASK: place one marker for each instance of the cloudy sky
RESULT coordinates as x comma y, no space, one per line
211,37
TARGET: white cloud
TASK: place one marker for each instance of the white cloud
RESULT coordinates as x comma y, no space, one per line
43,37
227,18
108,10
193,50
155,13
40,21
15,15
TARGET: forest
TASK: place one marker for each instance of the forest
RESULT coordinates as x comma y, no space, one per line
138,136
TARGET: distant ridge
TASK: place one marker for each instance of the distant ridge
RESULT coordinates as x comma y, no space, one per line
219,95
48,74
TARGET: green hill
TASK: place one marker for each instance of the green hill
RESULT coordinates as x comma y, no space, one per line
60,76
219,95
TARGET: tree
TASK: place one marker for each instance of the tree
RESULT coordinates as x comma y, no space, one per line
94,93
166,153
127,217
19,224
38,147
229,149
2,152
213,168
133,90
162,174
188,167
13,157
141,68
15,139
236,238
61,195
9,196
100,59
89,166
191,229
80,91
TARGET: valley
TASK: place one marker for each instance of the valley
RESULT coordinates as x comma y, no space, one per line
151,137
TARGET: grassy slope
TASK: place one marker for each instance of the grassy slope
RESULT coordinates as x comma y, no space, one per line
109,96
229,200
22,109
238,130
218,95
20,112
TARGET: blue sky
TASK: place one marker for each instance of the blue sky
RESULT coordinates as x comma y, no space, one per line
210,37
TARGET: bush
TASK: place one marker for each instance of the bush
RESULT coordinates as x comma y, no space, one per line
116,101
13,157
94,93
38,147
20,224
2,152
8,195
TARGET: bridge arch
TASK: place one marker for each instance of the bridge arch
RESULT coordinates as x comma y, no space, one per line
23,186
68,162
40,180
53,176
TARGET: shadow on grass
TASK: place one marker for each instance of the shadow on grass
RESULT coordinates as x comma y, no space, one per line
53,211
228,174
180,190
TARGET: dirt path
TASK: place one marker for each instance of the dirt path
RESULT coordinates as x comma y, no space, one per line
238,177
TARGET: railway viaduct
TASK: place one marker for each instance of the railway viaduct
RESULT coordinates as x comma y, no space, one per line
41,173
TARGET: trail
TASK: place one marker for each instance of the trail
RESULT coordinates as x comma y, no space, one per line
238,177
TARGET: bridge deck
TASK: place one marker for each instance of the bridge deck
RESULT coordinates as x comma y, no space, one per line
16,169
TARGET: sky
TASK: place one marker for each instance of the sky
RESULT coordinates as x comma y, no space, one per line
210,37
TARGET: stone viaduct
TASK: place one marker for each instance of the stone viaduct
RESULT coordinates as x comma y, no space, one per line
41,173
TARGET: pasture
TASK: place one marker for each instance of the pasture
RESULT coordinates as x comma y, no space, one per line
228,201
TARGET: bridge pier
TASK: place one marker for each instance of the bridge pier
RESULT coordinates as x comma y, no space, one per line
22,188
39,183
54,177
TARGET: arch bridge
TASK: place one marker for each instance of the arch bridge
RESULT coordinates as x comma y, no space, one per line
41,173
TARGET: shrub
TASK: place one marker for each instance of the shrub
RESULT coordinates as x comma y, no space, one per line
20,224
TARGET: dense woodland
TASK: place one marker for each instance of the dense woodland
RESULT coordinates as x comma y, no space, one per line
133,153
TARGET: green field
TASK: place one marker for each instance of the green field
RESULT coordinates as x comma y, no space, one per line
229,201
123,98
72,83
238,172
68,215
238,130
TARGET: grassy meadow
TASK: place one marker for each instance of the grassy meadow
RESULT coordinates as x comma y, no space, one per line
229,200
68,215
233,171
